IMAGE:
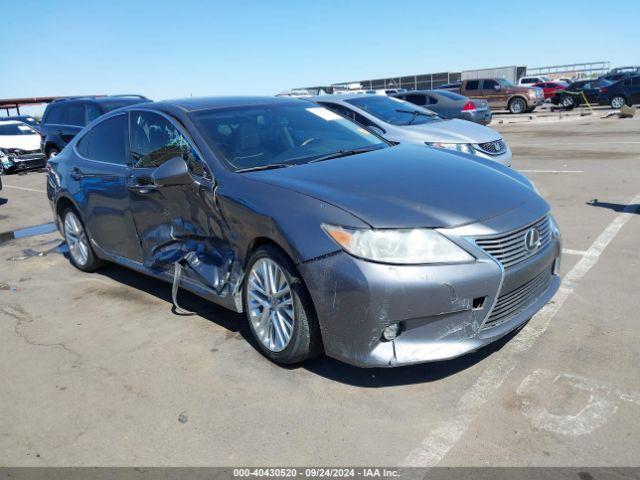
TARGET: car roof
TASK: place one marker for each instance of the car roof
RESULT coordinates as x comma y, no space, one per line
10,122
208,103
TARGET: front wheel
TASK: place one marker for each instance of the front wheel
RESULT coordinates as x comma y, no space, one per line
517,105
279,308
617,101
80,251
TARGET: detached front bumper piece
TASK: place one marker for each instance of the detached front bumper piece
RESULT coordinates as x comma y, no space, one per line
442,311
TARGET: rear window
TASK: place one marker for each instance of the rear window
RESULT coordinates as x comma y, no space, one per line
450,95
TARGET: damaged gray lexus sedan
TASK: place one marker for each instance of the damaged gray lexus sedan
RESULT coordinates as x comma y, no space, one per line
324,235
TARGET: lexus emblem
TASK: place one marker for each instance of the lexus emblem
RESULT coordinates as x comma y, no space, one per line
532,240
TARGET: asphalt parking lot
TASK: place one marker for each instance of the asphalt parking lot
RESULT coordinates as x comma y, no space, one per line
97,371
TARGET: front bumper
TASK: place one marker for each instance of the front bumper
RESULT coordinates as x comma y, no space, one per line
13,163
503,158
441,308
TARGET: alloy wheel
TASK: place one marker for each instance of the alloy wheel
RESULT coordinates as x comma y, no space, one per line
270,304
517,106
76,238
617,102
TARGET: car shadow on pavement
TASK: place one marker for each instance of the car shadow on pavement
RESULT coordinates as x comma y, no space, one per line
616,207
232,321
323,366
3,201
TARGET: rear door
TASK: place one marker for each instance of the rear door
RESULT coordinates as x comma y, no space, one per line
100,177
176,223
472,89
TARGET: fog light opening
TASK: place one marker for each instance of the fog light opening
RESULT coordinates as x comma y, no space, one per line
391,332
478,303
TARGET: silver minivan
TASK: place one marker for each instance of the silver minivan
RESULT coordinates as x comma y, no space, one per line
402,122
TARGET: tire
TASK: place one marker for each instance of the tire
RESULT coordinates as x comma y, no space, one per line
568,102
617,102
52,152
517,105
81,253
2,171
268,316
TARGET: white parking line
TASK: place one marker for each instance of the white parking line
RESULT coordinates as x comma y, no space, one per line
447,433
552,171
570,251
23,188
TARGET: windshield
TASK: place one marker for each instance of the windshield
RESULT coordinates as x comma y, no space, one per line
16,129
280,135
505,83
393,110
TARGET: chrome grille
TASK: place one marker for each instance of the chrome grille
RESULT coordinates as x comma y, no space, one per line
511,304
493,148
510,249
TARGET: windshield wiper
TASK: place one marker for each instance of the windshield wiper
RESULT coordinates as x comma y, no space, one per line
415,114
271,166
342,153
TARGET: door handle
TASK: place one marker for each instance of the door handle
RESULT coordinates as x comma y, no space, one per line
77,174
142,188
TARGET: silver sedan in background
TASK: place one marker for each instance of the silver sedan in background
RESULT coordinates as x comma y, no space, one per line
449,105
402,122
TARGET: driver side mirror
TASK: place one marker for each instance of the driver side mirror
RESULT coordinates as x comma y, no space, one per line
172,173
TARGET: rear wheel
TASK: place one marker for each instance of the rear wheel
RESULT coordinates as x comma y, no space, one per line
279,309
80,251
517,105
617,101
568,102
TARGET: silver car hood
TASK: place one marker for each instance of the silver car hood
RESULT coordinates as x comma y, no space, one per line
447,131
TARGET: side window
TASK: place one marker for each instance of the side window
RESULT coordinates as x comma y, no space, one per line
416,99
55,115
489,84
106,142
154,140
472,85
74,115
431,100
635,81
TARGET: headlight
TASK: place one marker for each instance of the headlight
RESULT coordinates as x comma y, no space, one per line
405,247
460,147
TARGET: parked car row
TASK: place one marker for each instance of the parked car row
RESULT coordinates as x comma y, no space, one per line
308,217
500,94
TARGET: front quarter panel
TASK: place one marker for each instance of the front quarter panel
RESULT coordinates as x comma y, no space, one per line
255,210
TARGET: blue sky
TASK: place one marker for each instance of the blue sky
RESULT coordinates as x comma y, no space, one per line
168,49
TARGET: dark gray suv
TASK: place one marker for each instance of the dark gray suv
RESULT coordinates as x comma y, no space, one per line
65,117
327,237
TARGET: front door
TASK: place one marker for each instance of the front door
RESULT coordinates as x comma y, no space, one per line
100,178
174,223
491,92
